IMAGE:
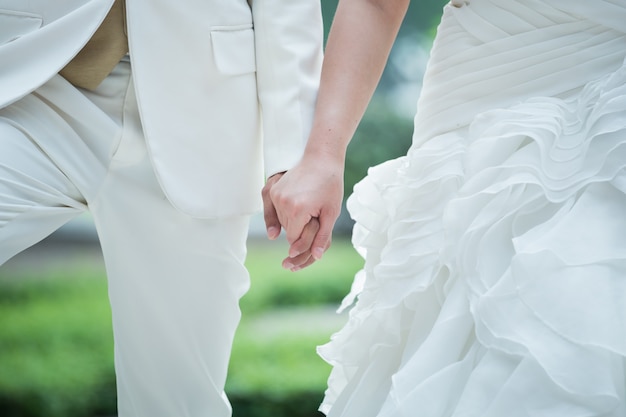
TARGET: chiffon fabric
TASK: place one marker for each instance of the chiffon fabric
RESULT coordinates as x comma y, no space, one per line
495,251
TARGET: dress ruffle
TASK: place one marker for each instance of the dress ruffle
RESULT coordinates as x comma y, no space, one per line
495,268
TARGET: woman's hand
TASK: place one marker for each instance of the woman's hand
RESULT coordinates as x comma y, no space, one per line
305,201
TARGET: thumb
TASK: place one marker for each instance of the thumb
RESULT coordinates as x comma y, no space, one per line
272,223
270,215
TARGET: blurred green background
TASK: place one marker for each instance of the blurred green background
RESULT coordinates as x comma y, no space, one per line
56,347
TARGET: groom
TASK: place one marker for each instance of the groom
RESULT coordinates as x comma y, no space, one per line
150,115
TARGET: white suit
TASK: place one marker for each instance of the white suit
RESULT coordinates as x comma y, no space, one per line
194,67
168,157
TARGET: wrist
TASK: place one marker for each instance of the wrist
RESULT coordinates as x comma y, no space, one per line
328,148
325,157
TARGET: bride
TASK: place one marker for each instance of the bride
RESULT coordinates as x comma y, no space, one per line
495,251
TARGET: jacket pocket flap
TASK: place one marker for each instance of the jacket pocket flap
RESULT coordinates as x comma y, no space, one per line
233,50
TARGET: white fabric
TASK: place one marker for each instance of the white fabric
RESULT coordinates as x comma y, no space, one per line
495,274
174,280
222,87
39,37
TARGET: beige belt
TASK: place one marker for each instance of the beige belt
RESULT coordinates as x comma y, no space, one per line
102,53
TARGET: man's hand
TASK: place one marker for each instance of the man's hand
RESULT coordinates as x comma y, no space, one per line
272,224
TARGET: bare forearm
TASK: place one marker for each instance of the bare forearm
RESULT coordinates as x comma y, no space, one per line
360,39
309,195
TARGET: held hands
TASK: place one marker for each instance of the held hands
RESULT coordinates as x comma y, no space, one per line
305,202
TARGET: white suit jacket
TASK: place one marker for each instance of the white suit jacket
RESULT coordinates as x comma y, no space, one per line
210,75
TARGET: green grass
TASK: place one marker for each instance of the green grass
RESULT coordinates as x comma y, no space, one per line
324,282
282,323
279,364
56,347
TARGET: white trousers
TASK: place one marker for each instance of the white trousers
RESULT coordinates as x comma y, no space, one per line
174,281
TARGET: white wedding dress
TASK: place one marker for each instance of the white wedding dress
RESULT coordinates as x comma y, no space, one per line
495,275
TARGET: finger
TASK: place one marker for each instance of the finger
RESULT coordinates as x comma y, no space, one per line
309,261
290,216
323,238
272,223
295,226
303,244
299,262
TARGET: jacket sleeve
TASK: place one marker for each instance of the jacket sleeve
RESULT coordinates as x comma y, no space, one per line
289,42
